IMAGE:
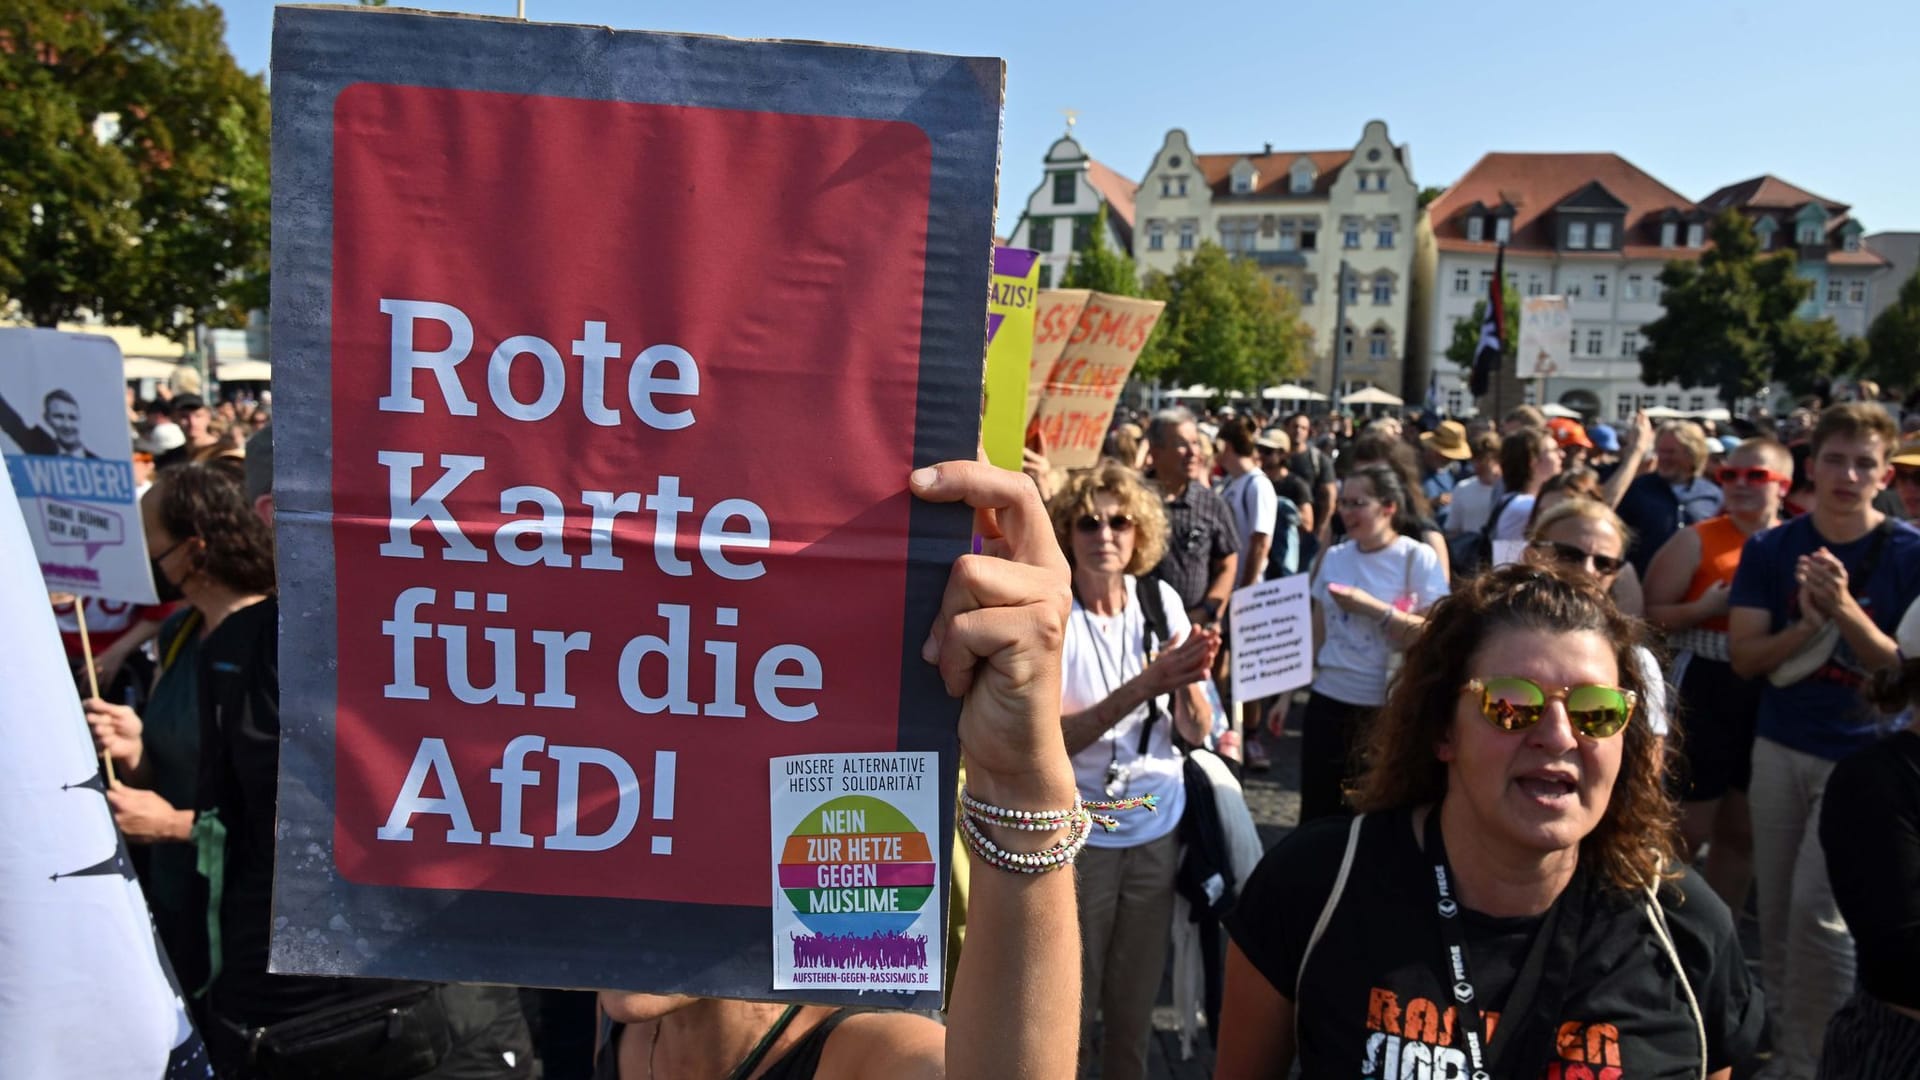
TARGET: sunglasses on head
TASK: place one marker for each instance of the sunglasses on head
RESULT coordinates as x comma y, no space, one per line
1754,474
1573,556
1511,703
1090,524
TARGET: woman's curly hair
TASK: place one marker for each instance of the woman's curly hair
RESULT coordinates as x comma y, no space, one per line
1136,500
1632,846
205,501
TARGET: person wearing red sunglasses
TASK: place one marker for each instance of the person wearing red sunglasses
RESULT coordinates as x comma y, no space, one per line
1509,902
1687,587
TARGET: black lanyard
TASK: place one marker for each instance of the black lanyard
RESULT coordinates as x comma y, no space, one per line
1532,1012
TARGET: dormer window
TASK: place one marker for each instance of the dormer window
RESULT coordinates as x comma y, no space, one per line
1851,243
1476,228
1763,230
1300,181
1696,235
1577,235
1603,236
1242,183
1063,188
1668,233
1502,229
1807,234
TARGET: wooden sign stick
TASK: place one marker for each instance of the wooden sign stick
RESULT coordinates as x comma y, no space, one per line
93,678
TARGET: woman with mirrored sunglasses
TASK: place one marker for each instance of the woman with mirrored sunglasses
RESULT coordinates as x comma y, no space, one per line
1688,584
1132,669
1509,903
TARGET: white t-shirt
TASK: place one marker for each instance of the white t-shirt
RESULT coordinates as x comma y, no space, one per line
1100,653
1653,706
1513,520
1472,502
1352,664
1255,506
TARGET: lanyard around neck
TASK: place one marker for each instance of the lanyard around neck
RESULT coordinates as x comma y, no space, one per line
1539,991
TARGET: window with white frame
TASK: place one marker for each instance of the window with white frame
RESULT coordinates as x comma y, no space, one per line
1353,288
1696,235
1833,290
1360,178
1383,288
1599,286
1189,234
1603,235
1535,286
1309,288
1577,235
1851,242
1166,187
1648,401
1456,401
1596,342
1156,236
1857,292
1629,344
1302,179
1383,231
1238,234
1242,184
1310,234
1476,228
1623,407
1668,231
1462,281
1350,233
1807,234
1631,290
1696,402
1063,188
1040,234
1379,345
1486,281
1180,186
1380,181
1571,290
1289,235
1346,339
1502,229
1673,401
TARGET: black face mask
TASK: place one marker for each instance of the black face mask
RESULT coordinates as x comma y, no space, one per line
165,587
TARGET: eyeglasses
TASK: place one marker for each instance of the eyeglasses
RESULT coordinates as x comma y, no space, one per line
1604,565
1511,703
1358,504
1752,475
1089,524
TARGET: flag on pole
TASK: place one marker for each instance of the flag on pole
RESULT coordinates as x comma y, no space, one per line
84,990
1493,330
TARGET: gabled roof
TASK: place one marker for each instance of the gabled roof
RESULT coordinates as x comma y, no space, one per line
1767,192
1536,183
1274,169
1116,189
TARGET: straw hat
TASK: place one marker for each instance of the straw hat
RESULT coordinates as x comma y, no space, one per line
1449,440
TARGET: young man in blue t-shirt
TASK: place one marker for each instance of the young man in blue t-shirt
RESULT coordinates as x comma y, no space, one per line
1821,594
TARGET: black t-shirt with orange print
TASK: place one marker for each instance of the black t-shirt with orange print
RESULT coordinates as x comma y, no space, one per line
1377,999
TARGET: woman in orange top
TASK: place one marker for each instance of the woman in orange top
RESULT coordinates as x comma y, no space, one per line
1686,590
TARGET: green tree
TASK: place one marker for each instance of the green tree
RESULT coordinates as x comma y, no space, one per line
1893,341
1428,194
1730,321
1226,325
133,165
1100,267
1466,333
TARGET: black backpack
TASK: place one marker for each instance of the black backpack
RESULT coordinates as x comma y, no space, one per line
1472,552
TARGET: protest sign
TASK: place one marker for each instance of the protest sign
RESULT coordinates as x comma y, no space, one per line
1083,382
1010,307
1272,634
1546,341
63,430
602,359
79,944
1056,313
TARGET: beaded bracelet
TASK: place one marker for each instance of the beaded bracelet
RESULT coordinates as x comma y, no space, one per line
1078,822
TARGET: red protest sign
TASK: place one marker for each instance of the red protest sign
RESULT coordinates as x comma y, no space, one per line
1090,364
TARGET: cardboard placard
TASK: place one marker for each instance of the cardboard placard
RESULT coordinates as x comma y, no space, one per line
1083,381
1272,624
603,358
1010,311
63,432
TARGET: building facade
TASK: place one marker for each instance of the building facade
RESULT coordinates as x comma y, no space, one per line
1829,245
1061,213
1591,227
1901,250
1300,215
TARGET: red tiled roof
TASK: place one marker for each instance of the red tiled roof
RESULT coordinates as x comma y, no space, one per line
1273,177
1535,183
1116,189
1863,257
1766,192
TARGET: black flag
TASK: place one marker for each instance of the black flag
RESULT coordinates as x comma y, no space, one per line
1493,331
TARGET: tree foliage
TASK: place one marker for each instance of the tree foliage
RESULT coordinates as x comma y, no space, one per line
1466,332
1730,322
1226,325
1893,341
1100,267
133,165
1428,194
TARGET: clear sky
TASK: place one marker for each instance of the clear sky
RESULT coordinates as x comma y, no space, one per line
1699,93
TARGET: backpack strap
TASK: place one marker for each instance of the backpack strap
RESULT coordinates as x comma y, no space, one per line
1657,915
1153,611
1326,910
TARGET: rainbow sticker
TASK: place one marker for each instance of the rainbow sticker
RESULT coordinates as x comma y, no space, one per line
856,876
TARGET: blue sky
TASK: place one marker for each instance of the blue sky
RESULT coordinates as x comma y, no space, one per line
1697,93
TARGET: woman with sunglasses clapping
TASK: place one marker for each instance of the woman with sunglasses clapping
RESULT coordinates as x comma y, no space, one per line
1688,584
1369,594
1509,903
1131,673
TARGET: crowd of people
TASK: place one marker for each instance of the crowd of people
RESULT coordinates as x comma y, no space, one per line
1580,697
